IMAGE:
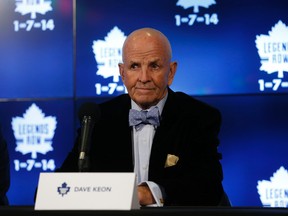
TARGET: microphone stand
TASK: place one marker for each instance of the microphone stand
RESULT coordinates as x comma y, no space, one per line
86,131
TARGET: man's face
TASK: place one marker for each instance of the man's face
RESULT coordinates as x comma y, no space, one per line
146,72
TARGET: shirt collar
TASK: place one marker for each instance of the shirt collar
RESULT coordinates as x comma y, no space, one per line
160,104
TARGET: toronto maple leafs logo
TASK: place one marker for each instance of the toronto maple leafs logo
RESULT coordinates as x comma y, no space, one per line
64,189
34,132
108,53
274,193
273,50
195,4
32,7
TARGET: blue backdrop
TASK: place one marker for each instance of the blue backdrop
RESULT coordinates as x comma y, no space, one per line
232,54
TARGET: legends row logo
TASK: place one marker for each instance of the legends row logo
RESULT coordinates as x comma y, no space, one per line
274,193
273,51
34,134
108,53
196,18
32,8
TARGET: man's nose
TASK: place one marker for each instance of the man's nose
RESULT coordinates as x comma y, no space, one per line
144,75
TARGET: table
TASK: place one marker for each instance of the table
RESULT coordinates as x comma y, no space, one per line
152,211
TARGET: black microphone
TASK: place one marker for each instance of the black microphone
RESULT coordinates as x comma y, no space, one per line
89,114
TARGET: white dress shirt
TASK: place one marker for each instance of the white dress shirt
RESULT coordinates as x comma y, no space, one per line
142,144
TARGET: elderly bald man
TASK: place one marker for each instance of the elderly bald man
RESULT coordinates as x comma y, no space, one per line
169,139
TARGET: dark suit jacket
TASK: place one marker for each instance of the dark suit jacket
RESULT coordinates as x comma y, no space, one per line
188,129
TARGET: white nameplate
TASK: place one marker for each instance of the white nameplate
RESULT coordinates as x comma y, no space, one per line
87,191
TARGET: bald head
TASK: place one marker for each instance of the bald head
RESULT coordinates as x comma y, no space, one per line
146,36
147,70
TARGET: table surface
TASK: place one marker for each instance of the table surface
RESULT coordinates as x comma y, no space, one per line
159,211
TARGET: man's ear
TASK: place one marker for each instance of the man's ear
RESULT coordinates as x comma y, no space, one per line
172,72
121,70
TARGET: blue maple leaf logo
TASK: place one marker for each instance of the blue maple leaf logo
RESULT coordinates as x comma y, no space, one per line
64,189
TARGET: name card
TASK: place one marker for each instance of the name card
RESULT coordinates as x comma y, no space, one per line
87,191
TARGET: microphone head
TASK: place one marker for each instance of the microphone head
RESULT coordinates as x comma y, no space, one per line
89,109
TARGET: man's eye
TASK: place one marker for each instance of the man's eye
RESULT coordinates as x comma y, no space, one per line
134,66
154,66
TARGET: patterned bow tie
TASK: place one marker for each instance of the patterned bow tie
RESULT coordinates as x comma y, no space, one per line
141,118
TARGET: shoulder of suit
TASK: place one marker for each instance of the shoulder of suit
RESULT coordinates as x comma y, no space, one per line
191,102
114,106
124,98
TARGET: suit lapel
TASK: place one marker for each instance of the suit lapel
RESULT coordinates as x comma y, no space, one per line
161,146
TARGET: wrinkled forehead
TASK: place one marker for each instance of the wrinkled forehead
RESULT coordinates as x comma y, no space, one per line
146,53
146,46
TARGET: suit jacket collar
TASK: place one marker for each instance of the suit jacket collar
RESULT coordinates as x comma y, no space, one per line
160,146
